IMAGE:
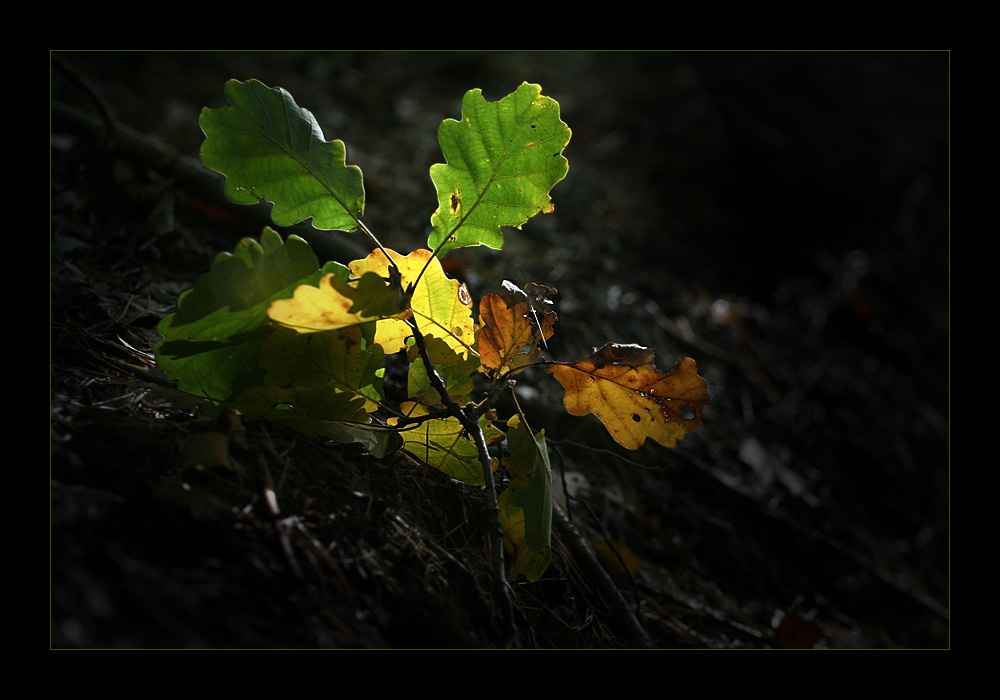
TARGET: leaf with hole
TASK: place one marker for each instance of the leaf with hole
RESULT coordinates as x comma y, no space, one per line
503,159
621,385
442,307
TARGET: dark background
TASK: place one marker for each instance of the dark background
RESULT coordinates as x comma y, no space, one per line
782,217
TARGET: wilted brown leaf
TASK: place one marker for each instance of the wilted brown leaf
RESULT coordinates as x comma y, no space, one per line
513,328
621,385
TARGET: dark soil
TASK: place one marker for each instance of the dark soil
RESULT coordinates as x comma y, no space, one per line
780,217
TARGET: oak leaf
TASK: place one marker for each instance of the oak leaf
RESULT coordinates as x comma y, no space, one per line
621,385
513,328
337,303
341,362
442,307
526,506
503,158
271,149
442,443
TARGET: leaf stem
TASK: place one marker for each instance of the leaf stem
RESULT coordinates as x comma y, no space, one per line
470,422
367,231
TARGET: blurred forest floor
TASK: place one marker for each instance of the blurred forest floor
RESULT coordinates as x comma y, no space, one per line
780,217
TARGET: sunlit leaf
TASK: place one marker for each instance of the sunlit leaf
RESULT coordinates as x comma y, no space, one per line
442,307
441,443
621,385
512,330
526,505
503,158
270,149
337,303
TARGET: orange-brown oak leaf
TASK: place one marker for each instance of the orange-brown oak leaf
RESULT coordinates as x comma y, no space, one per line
621,385
512,328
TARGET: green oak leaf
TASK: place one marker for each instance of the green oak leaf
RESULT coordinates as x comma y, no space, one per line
212,345
503,158
317,412
270,149
341,361
526,505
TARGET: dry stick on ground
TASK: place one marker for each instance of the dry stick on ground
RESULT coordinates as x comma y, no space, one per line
583,553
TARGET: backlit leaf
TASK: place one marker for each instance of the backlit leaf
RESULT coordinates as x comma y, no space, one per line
503,158
621,385
337,303
526,505
441,443
509,336
442,307
270,149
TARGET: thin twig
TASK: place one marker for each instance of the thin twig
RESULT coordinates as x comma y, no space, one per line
470,422
583,554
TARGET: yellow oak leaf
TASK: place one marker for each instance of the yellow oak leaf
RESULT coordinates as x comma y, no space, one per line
621,385
337,303
442,307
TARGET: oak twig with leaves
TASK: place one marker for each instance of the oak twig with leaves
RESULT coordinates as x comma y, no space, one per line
280,337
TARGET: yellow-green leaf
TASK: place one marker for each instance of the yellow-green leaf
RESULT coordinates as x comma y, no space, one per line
337,361
337,303
441,443
442,307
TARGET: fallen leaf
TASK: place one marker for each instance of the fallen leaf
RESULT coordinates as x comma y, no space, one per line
618,558
621,385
